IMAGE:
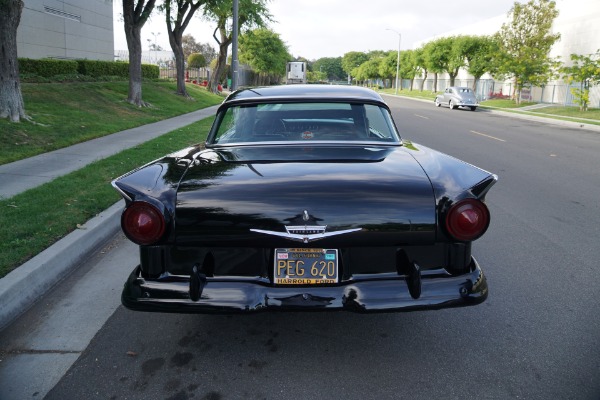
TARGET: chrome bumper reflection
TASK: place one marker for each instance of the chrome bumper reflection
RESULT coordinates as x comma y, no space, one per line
364,293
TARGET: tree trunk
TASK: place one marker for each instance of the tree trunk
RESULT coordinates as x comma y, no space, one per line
423,81
175,39
517,92
11,99
435,79
176,26
134,44
135,16
220,68
475,81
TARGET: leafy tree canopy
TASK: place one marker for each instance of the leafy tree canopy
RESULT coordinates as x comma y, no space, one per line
331,67
196,60
353,60
525,43
264,51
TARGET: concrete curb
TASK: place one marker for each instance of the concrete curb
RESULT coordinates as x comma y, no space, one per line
22,287
529,117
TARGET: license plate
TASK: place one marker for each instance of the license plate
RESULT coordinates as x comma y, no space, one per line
306,266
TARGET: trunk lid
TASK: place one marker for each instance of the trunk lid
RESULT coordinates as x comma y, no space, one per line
382,191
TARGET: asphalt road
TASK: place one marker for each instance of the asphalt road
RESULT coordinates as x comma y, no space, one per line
536,337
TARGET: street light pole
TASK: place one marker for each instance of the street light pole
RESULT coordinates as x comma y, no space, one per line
234,48
398,60
155,46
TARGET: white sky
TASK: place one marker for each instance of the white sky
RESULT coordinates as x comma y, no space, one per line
331,28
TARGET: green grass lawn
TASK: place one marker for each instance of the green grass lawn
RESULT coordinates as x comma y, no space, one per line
64,114
37,218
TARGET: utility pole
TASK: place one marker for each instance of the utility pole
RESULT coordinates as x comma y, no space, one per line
398,61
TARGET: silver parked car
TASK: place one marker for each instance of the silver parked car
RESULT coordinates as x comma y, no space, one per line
457,96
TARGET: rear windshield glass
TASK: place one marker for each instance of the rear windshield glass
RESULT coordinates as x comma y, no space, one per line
304,122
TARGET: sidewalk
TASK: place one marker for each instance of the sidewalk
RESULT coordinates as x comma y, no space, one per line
22,175
22,287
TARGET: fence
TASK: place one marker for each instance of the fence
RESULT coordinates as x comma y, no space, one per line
190,73
559,93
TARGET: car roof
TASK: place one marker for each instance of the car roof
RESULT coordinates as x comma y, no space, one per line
304,92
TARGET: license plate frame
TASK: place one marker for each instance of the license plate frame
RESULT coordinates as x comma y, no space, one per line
305,266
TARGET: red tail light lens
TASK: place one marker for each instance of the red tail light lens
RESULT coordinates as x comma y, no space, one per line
467,220
143,223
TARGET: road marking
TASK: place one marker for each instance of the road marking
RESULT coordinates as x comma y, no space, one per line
488,136
420,116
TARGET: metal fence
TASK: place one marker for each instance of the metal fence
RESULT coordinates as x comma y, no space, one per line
190,73
246,76
559,93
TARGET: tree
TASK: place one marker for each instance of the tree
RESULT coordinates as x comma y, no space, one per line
196,60
387,67
251,14
586,71
11,98
437,56
422,63
408,66
189,44
479,53
176,25
135,16
370,69
352,60
525,44
154,46
265,52
456,57
331,67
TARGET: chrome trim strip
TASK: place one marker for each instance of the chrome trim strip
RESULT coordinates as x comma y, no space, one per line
305,238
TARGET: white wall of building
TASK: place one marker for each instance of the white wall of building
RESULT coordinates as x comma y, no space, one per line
67,29
578,23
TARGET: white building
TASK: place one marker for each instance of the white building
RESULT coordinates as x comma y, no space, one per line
66,29
578,23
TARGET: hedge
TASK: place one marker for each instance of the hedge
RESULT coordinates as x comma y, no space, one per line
47,67
50,67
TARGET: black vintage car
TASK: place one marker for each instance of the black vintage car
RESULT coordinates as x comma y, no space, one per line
305,197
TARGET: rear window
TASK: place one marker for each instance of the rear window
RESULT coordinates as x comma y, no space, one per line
303,122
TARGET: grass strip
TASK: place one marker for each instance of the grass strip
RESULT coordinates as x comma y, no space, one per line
34,220
64,114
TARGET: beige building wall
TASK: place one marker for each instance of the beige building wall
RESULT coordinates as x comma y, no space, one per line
66,29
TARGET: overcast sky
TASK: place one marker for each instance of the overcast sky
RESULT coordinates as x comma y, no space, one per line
331,28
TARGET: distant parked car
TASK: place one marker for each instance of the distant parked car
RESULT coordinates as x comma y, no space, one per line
456,96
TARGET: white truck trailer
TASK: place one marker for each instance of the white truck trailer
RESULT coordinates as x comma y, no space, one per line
296,72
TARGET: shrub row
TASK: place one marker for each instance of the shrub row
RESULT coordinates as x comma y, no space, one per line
47,67
50,67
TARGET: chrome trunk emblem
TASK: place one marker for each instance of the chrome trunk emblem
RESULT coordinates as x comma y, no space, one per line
305,233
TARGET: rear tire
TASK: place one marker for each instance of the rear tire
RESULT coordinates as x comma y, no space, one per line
437,102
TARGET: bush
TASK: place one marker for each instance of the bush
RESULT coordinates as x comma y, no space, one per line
97,68
196,60
78,70
47,67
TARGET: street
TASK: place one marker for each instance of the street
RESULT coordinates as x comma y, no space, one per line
536,337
